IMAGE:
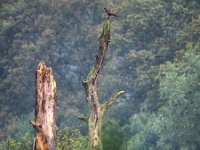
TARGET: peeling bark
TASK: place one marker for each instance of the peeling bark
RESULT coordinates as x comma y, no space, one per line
96,109
44,124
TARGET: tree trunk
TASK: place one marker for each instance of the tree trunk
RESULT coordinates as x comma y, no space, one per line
95,108
44,124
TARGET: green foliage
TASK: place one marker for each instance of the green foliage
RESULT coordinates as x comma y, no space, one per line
142,132
179,87
175,126
112,136
20,135
154,58
22,143
67,139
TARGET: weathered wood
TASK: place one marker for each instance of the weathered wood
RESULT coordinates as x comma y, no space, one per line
44,124
95,108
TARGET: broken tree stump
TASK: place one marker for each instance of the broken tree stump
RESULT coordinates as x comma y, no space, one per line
44,124
96,109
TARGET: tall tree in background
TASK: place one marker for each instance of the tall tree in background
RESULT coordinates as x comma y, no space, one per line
96,109
44,124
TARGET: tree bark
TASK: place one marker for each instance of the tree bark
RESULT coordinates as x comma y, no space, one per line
44,124
95,108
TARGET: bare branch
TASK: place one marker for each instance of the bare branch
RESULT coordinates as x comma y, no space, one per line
85,119
36,126
113,98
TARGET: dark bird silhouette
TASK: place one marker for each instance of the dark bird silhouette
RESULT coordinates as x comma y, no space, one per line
110,12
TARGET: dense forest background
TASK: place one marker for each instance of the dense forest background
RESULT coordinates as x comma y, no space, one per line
154,55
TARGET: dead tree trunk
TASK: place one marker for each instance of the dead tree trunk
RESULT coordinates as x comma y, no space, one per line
44,124
95,108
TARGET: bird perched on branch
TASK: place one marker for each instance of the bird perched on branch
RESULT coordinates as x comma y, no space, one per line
109,12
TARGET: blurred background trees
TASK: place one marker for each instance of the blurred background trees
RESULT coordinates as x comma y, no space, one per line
155,56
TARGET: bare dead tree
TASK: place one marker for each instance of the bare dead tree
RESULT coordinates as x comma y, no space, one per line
44,124
97,110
